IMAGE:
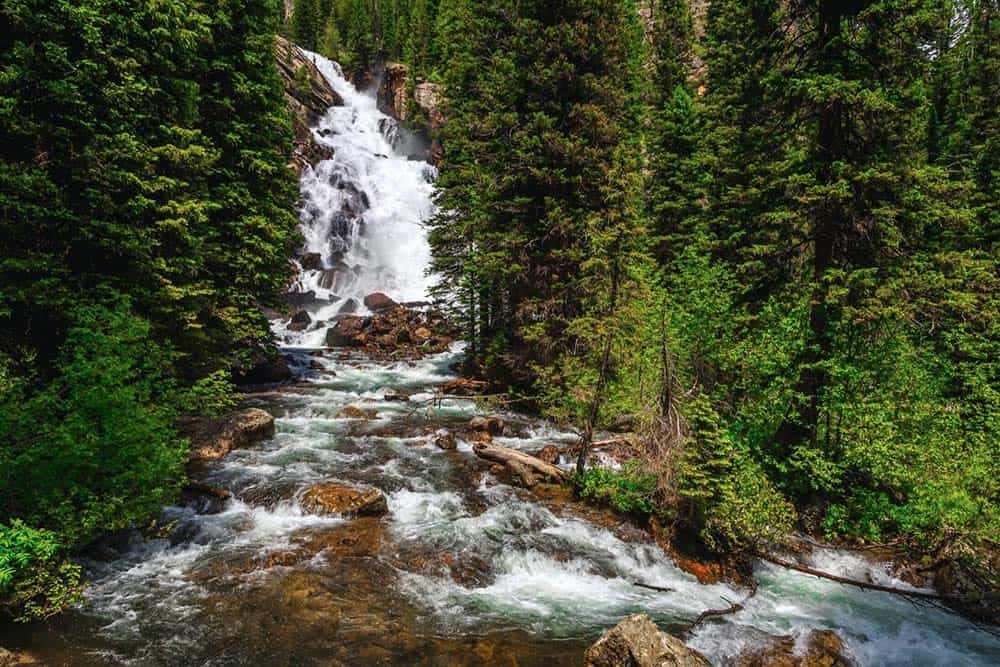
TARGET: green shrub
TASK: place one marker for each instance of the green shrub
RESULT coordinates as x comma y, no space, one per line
211,396
36,581
724,493
629,489
93,449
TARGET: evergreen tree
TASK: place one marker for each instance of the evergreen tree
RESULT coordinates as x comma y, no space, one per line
540,222
307,23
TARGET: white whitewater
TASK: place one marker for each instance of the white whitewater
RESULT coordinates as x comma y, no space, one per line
190,598
363,211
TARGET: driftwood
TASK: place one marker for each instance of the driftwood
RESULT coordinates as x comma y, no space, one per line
505,455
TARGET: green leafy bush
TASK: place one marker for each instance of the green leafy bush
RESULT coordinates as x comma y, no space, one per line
211,396
36,581
93,449
629,489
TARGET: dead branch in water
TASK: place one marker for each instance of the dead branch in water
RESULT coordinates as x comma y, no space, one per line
711,613
651,587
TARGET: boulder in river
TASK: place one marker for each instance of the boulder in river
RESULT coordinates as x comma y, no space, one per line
337,498
311,261
396,395
354,412
347,332
493,424
445,440
300,321
16,659
379,302
211,439
819,648
637,642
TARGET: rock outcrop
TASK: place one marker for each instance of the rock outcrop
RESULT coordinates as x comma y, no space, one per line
309,95
212,439
337,498
819,648
637,642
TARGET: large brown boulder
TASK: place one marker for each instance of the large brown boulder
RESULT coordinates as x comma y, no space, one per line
347,332
637,642
211,439
493,424
379,302
823,648
337,498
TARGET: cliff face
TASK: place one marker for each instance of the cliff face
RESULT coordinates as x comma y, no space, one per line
422,112
308,95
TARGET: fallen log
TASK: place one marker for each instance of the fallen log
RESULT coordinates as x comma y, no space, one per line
919,595
505,455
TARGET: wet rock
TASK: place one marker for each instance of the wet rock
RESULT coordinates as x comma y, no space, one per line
493,424
549,454
462,387
311,261
270,370
421,335
349,307
331,279
637,642
354,412
396,396
379,302
204,498
346,332
445,440
479,436
211,439
300,321
522,474
301,299
819,648
337,498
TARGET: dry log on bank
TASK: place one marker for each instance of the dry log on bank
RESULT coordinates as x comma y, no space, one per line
505,455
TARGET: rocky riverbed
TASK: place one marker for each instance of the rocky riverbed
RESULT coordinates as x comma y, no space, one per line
457,567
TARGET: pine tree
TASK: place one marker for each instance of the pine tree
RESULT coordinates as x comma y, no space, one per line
307,23
539,224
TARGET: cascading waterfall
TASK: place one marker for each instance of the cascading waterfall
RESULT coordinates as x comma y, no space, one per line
363,213
463,570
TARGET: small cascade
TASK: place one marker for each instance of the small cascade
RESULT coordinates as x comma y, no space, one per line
363,215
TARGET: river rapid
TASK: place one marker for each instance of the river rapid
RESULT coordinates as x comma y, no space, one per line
464,569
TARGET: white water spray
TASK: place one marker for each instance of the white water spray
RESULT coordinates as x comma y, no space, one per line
363,212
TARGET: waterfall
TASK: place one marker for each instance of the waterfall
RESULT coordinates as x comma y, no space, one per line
363,213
